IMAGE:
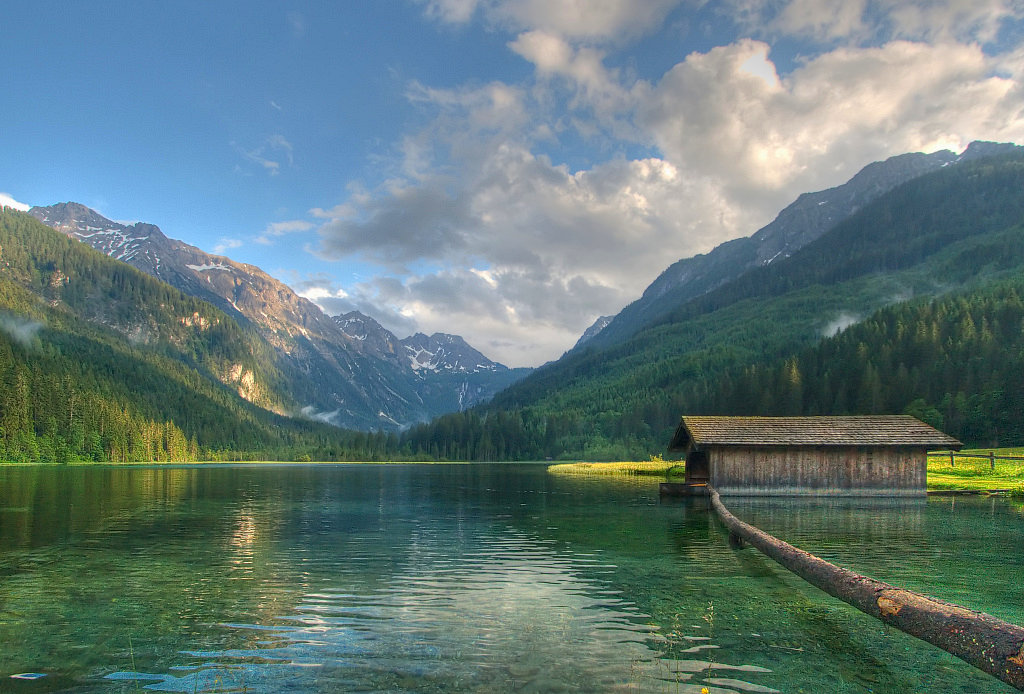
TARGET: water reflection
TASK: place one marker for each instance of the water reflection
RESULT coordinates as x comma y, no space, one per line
437,579
497,610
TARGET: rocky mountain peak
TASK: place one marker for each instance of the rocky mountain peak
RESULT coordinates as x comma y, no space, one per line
597,326
369,332
444,352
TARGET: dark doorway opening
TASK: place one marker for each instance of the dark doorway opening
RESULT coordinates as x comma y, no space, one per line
697,468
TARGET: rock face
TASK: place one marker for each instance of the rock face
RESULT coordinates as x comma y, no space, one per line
444,352
348,371
600,324
806,219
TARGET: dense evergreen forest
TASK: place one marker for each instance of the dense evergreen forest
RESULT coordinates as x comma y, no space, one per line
955,231
956,363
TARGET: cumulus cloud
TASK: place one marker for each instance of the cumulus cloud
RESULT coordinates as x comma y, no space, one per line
7,201
481,232
768,140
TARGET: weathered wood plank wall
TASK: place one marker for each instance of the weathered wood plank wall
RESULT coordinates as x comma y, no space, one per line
824,470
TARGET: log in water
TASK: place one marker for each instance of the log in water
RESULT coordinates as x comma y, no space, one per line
988,643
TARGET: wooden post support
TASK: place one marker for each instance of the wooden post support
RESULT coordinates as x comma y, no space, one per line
992,460
952,459
987,643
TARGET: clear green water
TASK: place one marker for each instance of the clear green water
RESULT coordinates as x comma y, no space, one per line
493,578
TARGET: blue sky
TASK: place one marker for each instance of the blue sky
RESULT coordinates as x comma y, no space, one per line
507,170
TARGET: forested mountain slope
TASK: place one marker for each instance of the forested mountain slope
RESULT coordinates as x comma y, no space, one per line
99,361
806,219
956,229
956,362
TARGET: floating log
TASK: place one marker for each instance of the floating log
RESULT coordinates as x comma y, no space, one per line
987,643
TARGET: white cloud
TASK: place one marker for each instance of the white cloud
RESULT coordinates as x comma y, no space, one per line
592,20
451,11
7,201
225,245
767,142
587,19
943,20
593,85
823,19
269,154
965,21
276,229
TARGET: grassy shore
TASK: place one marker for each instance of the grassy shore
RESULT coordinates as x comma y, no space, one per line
977,473
965,473
664,469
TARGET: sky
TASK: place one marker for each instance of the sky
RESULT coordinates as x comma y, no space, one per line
504,170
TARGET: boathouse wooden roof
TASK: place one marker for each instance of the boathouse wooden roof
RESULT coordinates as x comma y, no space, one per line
859,431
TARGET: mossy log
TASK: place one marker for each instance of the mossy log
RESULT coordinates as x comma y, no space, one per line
987,643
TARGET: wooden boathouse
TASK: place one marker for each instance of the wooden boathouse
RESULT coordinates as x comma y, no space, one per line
871,455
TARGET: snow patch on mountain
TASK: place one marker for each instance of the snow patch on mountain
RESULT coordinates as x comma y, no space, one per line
208,266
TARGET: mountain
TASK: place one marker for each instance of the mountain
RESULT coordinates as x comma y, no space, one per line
443,352
803,221
372,334
99,361
956,230
236,288
449,373
597,326
332,373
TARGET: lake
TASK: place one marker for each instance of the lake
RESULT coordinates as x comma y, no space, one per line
465,578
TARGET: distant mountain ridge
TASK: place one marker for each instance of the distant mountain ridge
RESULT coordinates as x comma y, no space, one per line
360,378
803,221
437,352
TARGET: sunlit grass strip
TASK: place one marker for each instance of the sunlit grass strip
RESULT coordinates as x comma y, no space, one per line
977,473
647,468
